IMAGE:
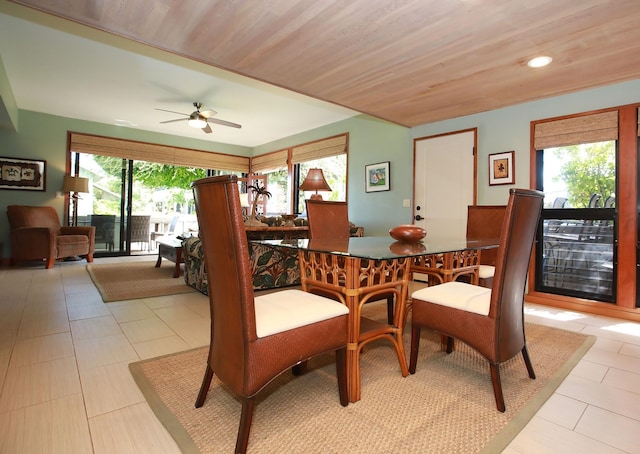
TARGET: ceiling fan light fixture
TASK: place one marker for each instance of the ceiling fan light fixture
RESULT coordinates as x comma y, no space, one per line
539,62
197,121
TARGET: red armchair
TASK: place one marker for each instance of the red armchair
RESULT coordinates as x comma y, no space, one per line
36,234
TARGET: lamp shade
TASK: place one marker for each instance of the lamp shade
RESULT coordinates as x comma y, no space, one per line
315,181
244,199
75,184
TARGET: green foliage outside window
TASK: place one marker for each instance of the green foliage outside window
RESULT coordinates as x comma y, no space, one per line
586,169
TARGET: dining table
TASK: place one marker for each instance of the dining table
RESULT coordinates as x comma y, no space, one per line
357,270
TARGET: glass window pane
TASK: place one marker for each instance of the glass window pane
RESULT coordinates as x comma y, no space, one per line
277,186
334,169
580,176
578,256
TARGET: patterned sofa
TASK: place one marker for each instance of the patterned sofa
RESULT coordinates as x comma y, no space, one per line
271,266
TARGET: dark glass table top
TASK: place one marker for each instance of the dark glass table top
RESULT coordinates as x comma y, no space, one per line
385,247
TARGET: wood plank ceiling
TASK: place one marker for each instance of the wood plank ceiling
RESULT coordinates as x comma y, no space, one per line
410,62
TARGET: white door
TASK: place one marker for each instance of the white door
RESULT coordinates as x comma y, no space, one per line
444,183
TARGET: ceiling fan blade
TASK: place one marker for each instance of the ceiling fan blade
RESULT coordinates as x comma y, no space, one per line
207,129
172,111
208,113
224,123
173,121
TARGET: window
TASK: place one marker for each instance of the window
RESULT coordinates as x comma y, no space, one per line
286,170
133,178
334,169
576,254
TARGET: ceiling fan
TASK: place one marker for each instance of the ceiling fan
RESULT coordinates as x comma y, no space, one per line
200,118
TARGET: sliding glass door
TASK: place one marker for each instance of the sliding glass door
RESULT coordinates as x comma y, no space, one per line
133,203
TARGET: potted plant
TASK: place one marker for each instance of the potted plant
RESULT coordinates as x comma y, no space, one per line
258,192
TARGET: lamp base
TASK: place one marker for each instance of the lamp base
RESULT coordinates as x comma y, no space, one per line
315,197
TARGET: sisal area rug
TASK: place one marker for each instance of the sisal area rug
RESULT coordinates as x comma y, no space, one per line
446,407
132,280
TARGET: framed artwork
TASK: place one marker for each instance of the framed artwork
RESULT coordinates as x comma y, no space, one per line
377,177
22,174
501,168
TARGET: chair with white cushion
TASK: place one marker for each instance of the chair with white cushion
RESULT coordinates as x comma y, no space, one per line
330,221
255,338
489,320
484,222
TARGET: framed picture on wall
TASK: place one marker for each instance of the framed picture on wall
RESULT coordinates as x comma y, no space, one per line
22,174
501,168
377,177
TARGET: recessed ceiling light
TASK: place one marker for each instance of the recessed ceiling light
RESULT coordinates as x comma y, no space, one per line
539,62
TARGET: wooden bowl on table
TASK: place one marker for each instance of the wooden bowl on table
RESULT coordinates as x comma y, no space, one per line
408,233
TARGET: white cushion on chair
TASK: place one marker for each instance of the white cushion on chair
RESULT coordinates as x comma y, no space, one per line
288,309
486,271
458,295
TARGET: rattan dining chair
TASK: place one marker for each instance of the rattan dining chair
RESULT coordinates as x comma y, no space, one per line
485,221
330,221
489,320
256,338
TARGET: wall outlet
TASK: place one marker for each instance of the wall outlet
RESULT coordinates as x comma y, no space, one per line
406,203
59,195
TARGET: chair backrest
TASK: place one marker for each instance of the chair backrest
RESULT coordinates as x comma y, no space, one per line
33,216
485,222
172,225
510,278
559,202
105,225
328,220
594,201
226,254
140,228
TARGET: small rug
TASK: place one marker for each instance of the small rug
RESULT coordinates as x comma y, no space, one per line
133,280
447,406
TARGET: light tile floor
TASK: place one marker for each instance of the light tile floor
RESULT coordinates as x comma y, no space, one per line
66,388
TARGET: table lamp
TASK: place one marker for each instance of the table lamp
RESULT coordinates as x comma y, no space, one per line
315,182
75,185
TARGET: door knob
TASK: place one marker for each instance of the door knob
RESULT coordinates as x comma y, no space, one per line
418,217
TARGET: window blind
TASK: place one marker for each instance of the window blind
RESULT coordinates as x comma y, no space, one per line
324,148
269,161
162,154
576,130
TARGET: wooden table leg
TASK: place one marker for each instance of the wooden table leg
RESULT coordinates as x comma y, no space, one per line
178,251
